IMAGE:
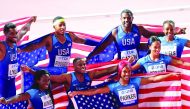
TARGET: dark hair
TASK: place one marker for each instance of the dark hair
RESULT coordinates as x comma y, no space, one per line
76,59
170,22
127,11
8,26
151,40
57,18
37,76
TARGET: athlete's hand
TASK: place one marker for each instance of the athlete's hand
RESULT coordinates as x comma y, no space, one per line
131,59
33,19
176,74
25,68
181,31
72,94
3,100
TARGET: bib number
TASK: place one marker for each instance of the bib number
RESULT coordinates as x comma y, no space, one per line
13,70
61,61
169,50
157,68
128,53
128,96
47,102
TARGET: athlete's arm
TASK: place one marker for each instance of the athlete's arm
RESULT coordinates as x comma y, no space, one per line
147,34
104,72
91,91
2,51
17,98
26,28
45,42
158,78
106,42
188,43
178,62
77,39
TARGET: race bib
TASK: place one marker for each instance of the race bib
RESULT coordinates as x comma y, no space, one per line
169,50
13,70
156,68
47,102
128,96
61,61
128,53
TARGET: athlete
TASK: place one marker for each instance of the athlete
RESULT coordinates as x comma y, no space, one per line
170,43
8,57
39,94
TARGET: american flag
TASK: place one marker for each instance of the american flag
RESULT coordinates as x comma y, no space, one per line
171,93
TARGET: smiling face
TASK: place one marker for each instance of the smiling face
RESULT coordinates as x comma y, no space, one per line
59,26
155,48
80,66
44,82
168,29
126,20
11,36
126,73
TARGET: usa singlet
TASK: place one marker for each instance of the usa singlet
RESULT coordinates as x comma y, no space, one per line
127,95
128,43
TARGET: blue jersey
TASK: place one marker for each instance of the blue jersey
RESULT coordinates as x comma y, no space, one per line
60,54
155,66
9,65
8,71
77,85
173,48
127,95
128,43
40,99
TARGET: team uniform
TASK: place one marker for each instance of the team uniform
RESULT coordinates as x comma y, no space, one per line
40,99
155,66
76,85
173,48
126,95
60,54
8,71
128,43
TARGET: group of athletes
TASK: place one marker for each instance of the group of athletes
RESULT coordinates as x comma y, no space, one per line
162,50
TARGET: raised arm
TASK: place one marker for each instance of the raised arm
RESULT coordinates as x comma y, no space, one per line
77,39
26,28
17,98
158,78
90,91
46,41
147,34
104,72
110,38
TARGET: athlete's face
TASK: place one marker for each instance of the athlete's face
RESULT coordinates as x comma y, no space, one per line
60,27
126,20
155,48
126,74
168,30
11,36
44,82
80,66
